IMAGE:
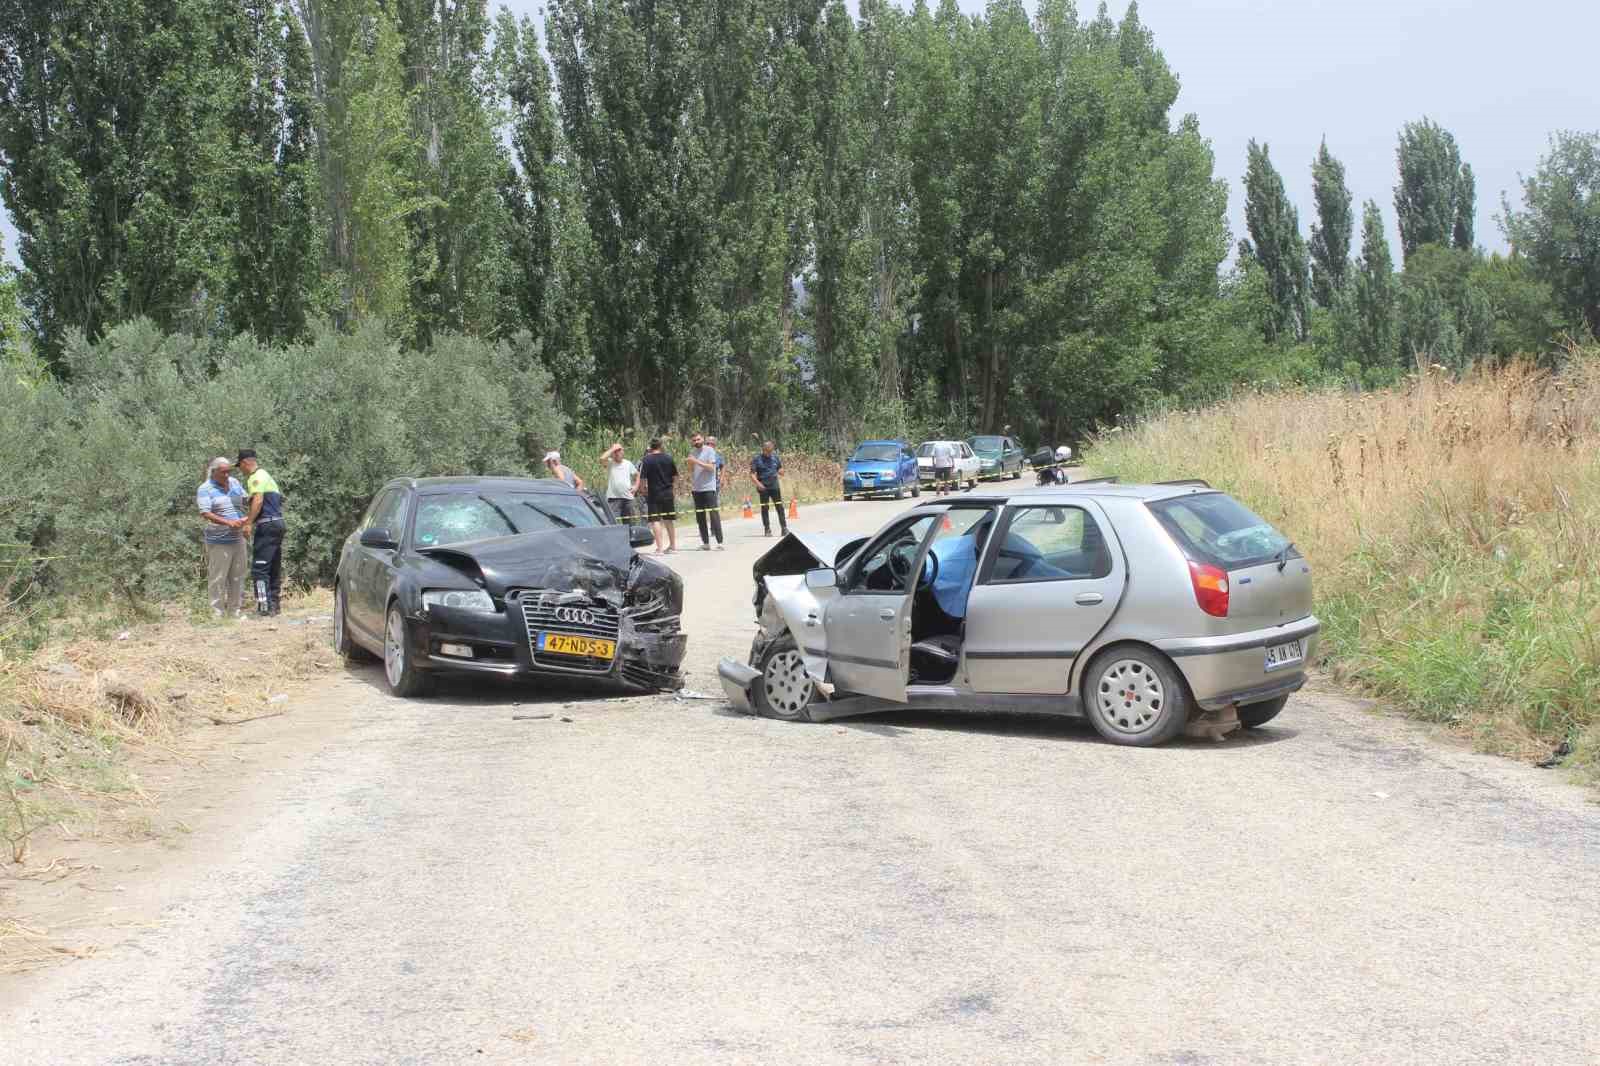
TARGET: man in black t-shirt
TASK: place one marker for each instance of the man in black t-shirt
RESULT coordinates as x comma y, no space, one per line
658,472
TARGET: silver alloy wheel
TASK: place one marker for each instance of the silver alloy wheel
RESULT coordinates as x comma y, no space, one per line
1131,696
338,619
789,687
394,649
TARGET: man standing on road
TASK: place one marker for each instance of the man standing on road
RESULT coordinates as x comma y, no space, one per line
659,474
944,464
764,472
221,502
703,483
266,537
622,482
552,463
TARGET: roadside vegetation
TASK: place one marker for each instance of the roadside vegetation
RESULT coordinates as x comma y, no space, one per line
1455,530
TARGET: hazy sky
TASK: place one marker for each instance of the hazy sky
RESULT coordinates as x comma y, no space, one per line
1500,76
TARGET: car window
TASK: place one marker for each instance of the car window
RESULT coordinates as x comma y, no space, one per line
886,564
388,513
966,450
1050,543
464,516
876,453
1215,528
925,449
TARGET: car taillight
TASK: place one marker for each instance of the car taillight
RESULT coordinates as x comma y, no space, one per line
1210,588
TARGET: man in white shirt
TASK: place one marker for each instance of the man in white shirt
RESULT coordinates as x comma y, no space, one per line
944,465
622,483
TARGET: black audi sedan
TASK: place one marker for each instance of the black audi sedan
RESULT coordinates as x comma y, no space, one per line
503,576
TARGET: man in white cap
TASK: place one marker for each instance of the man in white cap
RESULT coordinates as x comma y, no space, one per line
552,463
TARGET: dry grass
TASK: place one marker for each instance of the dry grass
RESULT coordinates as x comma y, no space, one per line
1454,525
72,715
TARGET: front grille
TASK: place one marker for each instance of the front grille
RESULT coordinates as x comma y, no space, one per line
546,612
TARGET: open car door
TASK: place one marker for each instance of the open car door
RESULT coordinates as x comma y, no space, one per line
869,625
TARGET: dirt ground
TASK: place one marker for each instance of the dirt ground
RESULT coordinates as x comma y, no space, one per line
656,879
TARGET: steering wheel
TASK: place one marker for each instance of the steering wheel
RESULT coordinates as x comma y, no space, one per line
900,560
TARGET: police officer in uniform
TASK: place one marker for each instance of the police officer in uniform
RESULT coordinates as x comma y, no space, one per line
266,515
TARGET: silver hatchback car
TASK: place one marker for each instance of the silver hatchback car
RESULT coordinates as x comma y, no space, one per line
1149,609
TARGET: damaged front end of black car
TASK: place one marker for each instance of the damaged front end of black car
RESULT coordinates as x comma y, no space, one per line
575,604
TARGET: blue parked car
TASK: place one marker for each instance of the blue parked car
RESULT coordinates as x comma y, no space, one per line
881,466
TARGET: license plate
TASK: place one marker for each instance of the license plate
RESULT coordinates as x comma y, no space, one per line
1281,655
566,644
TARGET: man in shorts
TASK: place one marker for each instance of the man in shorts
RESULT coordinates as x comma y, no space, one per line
944,466
658,473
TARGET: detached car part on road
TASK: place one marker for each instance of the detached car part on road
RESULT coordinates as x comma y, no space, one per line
1146,608
512,577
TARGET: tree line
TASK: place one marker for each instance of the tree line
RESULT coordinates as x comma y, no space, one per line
769,215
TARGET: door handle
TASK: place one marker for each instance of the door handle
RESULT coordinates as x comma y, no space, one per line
811,620
886,613
1089,599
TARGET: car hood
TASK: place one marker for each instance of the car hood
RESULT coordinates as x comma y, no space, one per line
597,562
798,552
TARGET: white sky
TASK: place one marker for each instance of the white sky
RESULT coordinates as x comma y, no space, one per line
1500,76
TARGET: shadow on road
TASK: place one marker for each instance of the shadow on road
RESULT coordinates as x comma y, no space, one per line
1039,727
468,691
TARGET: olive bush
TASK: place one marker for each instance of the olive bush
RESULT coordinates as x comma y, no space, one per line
98,473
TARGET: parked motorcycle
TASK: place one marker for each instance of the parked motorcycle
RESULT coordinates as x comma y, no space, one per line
1051,465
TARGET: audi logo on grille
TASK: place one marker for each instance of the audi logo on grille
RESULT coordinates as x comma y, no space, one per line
575,616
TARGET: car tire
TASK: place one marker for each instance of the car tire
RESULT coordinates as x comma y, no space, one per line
1134,695
405,680
1256,715
900,493
916,491
792,690
344,645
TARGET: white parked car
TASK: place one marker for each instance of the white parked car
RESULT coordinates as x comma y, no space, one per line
968,465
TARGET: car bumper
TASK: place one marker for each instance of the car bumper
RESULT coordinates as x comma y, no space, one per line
500,645
866,488
737,678
1224,671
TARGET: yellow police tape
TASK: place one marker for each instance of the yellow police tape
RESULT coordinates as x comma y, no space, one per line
722,508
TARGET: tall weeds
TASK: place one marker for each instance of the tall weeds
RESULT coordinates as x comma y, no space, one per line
1453,525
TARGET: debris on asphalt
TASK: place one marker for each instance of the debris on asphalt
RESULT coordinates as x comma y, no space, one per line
691,694
531,717
565,719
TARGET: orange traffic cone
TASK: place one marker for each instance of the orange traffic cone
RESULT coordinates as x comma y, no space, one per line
794,507
748,513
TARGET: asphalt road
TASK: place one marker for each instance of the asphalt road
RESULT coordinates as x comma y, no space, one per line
661,881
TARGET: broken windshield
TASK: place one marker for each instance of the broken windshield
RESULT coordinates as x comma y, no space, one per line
455,518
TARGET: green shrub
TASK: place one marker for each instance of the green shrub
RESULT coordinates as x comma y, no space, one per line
98,475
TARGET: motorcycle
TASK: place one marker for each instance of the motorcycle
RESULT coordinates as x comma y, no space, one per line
1051,465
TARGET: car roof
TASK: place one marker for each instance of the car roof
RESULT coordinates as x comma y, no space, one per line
438,485
867,442
1144,493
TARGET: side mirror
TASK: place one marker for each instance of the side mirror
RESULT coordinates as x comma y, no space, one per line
640,536
824,577
378,538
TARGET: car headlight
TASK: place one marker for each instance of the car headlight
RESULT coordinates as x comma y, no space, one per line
460,599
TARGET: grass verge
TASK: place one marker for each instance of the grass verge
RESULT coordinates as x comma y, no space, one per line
76,713
1454,528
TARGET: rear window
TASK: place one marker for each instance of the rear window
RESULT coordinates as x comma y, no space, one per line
1215,528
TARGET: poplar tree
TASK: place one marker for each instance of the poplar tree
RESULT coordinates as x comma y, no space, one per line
1276,244
1376,294
1436,198
1331,233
